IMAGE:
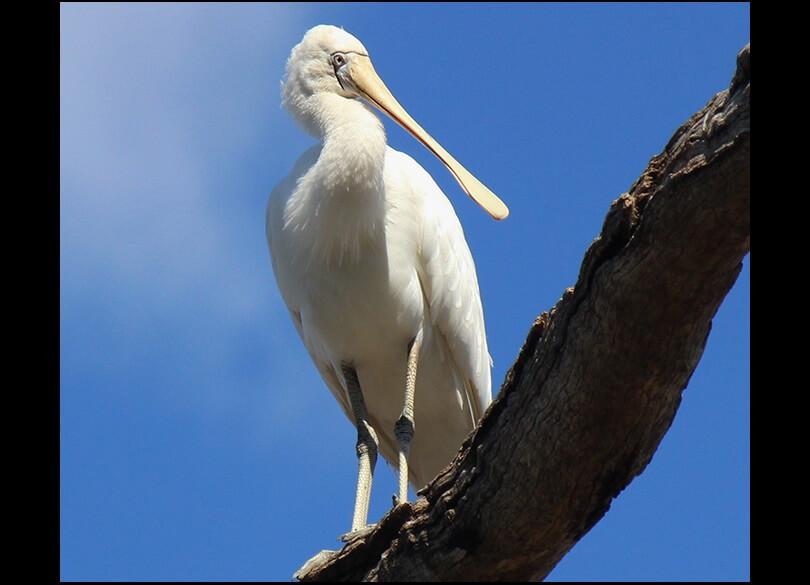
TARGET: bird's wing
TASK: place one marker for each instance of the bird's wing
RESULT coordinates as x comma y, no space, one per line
450,284
283,260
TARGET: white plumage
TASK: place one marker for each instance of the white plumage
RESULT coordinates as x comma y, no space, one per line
369,255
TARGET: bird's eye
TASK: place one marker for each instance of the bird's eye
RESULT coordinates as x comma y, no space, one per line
338,60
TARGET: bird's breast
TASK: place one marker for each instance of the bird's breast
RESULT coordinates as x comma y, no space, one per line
347,259
357,307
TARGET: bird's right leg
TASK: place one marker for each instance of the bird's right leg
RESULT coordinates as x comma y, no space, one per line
367,446
404,427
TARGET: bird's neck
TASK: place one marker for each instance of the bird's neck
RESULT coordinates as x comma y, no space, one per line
348,207
353,155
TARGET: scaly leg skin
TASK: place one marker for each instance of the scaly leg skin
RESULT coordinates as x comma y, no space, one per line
367,447
404,427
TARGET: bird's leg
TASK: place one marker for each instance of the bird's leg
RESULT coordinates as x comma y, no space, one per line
404,427
367,446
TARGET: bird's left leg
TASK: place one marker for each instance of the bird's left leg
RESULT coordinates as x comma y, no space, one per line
367,446
404,427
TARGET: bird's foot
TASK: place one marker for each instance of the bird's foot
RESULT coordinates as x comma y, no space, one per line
326,556
315,562
356,534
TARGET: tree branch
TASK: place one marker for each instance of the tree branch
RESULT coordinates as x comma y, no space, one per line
598,381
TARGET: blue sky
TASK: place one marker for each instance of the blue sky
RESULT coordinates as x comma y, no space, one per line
197,439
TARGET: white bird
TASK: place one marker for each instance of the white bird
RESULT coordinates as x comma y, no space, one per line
373,266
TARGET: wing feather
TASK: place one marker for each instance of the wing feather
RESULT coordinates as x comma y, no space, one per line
450,284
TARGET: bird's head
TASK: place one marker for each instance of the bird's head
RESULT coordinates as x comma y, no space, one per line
319,64
328,60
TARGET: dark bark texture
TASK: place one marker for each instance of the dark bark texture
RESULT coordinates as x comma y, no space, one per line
597,383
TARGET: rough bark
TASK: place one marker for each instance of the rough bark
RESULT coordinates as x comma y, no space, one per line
597,383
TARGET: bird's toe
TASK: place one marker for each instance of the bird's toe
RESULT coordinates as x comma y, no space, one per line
319,559
357,534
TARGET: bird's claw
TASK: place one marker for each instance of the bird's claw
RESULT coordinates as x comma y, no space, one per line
396,501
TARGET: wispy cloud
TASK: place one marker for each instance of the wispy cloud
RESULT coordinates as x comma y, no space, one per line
156,234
